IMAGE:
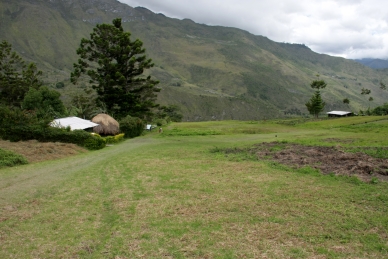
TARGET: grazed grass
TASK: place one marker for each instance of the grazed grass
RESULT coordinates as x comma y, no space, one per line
155,197
35,151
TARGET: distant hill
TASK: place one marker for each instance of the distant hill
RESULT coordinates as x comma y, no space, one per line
210,72
373,63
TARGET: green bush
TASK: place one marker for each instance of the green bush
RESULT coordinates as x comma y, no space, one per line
60,85
19,125
119,137
110,140
94,143
131,126
381,110
114,139
8,159
161,122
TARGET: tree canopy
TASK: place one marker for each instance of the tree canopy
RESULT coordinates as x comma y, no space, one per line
16,78
114,65
44,101
318,84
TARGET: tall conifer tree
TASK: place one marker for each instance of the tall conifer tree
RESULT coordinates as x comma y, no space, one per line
115,66
316,105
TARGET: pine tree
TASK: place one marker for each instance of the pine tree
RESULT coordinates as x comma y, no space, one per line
316,104
115,66
16,78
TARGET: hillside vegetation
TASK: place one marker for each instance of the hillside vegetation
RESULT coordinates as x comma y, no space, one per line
210,72
196,191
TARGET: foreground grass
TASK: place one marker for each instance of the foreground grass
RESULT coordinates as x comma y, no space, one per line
167,195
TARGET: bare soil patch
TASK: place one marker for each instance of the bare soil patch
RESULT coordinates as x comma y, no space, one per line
35,151
326,159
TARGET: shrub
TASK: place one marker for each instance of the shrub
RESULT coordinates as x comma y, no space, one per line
60,85
17,125
114,139
161,122
119,137
110,140
8,159
131,126
94,143
381,110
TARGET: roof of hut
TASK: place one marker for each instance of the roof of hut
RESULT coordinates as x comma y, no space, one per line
74,123
107,125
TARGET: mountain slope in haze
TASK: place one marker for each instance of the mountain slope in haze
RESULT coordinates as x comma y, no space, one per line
373,63
210,72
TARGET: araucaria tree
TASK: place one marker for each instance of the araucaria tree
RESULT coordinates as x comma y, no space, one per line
115,66
16,77
316,104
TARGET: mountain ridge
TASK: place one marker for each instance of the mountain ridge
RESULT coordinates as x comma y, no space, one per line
210,72
374,63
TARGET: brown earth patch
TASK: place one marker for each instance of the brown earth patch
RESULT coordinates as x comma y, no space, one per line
326,159
35,151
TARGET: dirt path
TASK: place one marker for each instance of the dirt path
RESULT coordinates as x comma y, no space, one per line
23,181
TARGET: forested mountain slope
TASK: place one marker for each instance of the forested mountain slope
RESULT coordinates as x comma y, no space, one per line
210,72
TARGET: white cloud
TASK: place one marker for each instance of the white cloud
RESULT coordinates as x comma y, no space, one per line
347,28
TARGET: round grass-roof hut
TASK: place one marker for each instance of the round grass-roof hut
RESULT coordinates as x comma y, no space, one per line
107,125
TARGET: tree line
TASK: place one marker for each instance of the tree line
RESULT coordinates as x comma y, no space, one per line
316,104
111,63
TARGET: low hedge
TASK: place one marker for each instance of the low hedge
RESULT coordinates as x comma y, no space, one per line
50,134
17,125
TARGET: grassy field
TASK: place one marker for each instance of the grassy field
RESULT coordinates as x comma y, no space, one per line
171,195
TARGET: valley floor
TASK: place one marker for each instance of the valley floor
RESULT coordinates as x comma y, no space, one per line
203,190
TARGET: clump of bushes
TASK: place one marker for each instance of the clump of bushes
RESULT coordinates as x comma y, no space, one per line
381,110
131,126
8,159
20,125
114,139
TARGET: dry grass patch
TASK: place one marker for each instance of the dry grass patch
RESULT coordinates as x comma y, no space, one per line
35,151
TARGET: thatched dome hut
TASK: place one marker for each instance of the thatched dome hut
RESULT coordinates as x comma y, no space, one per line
107,125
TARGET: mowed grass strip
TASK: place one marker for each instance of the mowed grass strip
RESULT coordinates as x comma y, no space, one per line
156,197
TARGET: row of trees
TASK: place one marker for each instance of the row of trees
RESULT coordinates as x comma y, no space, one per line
111,63
316,105
21,85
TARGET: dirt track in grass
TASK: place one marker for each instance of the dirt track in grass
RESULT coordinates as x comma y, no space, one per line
326,159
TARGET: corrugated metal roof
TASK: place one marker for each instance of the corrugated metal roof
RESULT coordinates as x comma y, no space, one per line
341,113
73,122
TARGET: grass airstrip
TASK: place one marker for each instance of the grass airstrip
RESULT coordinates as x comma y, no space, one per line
178,195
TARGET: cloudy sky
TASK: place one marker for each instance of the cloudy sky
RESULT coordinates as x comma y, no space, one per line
346,28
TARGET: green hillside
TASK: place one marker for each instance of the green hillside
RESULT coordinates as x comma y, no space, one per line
210,72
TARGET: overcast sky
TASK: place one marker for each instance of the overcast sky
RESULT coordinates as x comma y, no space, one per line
346,28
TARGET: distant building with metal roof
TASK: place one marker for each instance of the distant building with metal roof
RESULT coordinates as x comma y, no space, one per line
339,114
74,123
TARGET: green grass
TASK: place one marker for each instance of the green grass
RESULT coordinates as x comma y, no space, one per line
173,195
